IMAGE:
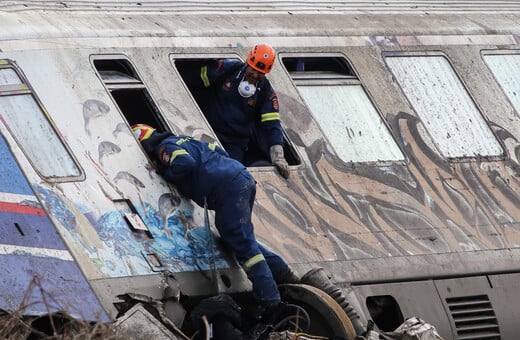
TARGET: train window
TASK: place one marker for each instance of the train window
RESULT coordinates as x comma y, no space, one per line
30,126
301,68
445,107
113,78
189,69
128,91
342,108
506,69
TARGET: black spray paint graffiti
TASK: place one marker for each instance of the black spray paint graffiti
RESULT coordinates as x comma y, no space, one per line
428,204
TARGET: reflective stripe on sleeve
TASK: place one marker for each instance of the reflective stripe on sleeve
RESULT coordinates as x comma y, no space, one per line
270,116
212,146
252,261
204,76
177,153
183,140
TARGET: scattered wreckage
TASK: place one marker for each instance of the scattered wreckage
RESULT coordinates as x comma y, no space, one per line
313,310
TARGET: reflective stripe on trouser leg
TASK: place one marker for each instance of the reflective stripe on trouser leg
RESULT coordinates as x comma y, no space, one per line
252,261
276,263
264,286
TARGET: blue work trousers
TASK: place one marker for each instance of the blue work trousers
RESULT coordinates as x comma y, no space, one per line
233,207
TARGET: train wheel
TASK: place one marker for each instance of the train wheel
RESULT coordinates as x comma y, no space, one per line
327,318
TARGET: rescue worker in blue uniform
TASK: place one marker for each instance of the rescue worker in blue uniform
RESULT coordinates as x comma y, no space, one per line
242,106
204,171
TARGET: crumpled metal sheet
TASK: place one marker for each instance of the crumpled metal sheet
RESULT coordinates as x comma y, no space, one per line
412,328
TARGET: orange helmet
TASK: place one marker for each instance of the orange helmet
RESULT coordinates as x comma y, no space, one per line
261,58
142,131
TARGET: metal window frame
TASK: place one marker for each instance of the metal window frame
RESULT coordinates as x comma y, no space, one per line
184,56
133,83
26,89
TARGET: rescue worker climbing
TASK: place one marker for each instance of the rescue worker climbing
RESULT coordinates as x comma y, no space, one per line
242,106
204,171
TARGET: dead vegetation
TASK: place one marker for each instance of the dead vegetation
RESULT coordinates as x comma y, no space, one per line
15,325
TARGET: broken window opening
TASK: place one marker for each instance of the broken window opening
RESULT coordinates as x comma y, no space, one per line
115,66
129,92
255,157
317,68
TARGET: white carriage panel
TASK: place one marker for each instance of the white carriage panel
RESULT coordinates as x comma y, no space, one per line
114,165
117,173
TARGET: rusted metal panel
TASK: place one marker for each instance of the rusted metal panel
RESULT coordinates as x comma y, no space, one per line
449,114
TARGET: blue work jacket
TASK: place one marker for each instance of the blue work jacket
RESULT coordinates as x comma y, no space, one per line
234,117
196,168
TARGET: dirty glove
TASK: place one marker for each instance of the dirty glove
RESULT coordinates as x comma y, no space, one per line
278,160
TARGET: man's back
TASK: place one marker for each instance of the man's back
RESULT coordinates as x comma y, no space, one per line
195,167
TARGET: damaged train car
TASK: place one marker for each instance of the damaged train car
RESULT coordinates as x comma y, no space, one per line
402,131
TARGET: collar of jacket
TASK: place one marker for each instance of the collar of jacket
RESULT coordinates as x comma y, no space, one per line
241,72
150,143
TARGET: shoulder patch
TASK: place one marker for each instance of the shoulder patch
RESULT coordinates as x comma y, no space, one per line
275,105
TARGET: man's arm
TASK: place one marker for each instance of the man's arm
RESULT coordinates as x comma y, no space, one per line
215,72
278,160
270,123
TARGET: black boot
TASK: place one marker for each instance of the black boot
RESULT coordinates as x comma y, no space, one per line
285,277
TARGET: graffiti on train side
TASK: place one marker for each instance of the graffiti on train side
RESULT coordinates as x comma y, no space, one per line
93,108
116,250
428,205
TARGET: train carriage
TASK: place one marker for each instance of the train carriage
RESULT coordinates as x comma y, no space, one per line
401,126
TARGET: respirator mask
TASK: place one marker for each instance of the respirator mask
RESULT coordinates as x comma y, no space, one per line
245,89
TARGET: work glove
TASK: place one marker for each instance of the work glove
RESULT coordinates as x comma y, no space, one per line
278,160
